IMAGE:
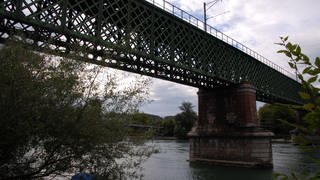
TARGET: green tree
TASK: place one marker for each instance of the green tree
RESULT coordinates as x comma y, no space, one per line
56,119
168,124
270,114
307,72
141,118
184,120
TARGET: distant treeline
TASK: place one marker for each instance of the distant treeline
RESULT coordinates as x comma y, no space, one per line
173,126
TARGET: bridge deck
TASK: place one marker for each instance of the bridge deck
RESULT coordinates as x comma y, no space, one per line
136,36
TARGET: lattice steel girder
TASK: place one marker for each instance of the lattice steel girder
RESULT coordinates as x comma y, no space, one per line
135,36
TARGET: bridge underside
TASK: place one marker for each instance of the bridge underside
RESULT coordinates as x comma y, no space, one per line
139,37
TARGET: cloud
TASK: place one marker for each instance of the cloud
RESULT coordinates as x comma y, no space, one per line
259,23
167,97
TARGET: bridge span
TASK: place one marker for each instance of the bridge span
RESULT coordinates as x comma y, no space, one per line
168,43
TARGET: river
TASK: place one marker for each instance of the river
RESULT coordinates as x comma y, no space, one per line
171,163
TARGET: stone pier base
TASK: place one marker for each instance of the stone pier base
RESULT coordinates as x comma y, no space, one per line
244,149
227,130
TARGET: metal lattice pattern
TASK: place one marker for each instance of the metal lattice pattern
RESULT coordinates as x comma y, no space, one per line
136,36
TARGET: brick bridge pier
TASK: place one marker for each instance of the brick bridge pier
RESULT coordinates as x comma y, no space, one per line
227,131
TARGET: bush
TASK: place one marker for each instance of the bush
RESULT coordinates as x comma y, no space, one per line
56,119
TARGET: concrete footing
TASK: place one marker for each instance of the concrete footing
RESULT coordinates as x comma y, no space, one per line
227,130
244,149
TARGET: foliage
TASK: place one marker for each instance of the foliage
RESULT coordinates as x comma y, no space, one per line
269,114
168,124
56,118
141,118
146,119
307,72
297,176
184,120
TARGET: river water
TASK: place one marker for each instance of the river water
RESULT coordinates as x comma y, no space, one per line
171,164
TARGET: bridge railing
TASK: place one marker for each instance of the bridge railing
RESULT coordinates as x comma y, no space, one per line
178,12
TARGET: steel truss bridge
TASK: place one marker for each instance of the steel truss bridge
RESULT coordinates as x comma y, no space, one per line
141,37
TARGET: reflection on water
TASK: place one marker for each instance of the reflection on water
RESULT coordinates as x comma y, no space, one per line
287,157
171,164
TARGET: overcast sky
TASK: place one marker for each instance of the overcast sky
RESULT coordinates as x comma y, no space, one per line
255,23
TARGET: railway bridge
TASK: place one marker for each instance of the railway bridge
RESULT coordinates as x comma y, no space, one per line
165,42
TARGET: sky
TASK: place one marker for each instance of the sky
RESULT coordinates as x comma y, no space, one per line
255,23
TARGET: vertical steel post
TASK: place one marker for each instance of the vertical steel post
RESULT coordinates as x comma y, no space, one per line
18,4
2,10
205,16
64,7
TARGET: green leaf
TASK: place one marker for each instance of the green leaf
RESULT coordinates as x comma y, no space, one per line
292,65
313,79
304,85
294,46
297,50
286,38
317,62
304,95
308,107
290,47
283,51
306,59
288,54
313,72
314,91
306,70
